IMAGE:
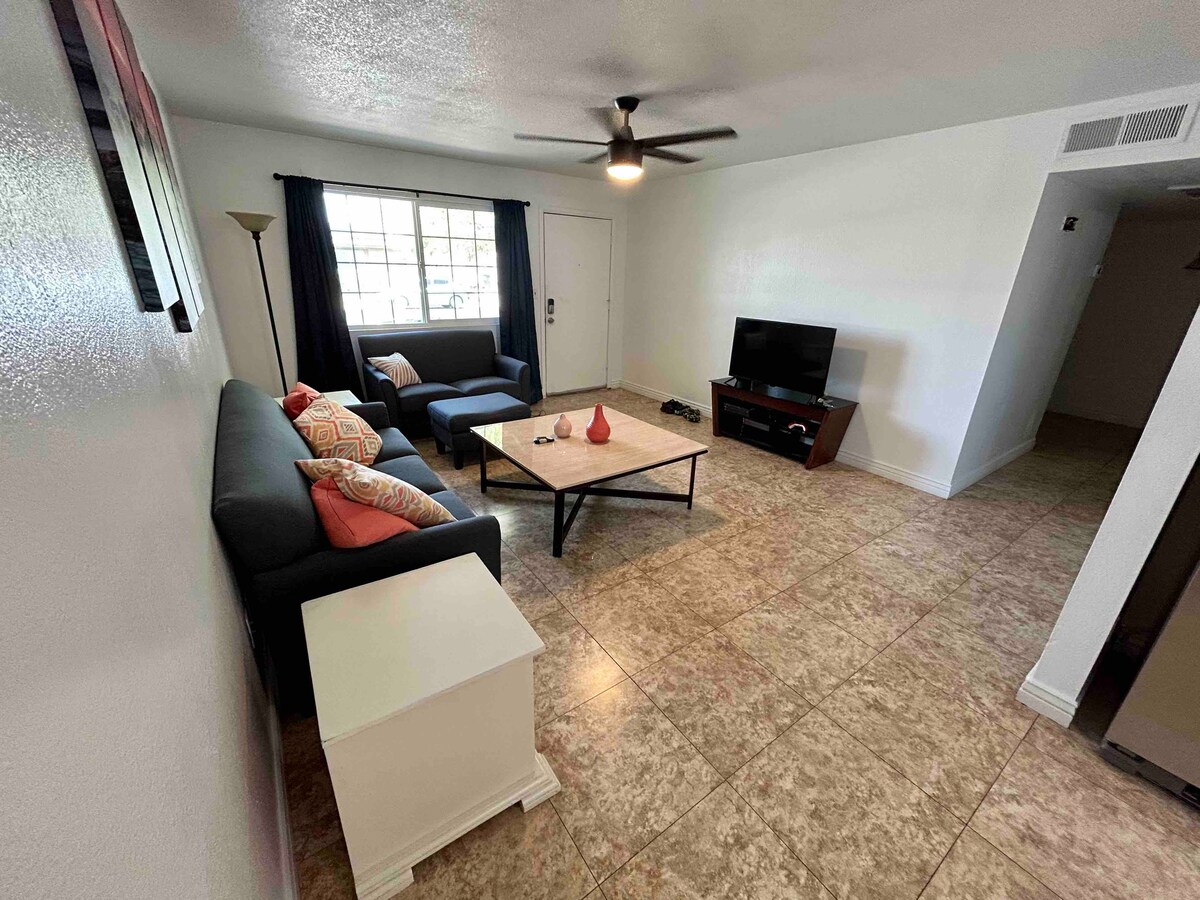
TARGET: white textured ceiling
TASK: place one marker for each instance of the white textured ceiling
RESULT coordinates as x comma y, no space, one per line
458,78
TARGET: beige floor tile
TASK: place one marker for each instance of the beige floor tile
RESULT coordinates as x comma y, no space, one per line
975,870
906,571
572,669
871,514
809,653
824,532
513,854
946,545
638,622
873,613
525,589
719,849
708,520
712,586
313,808
774,556
982,675
947,749
1082,842
579,572
626,773
1018,624
326,874
859,826
724,702
1082,756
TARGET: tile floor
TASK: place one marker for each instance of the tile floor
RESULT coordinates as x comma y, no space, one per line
804,687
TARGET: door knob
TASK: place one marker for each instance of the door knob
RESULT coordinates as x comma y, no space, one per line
550,320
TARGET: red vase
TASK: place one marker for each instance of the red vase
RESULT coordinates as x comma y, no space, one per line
597,430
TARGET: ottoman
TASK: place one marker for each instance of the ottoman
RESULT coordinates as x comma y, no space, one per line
451,420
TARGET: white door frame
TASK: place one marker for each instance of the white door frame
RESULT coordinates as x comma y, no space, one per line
547,377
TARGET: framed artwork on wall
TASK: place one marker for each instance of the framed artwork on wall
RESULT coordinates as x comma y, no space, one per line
131,141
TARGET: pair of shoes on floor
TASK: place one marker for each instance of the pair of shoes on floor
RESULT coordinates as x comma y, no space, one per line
675,408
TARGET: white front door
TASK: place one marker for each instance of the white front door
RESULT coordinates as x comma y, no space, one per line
576,253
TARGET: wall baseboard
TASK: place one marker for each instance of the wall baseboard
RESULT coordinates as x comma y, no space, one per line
965,481
1050,703
653,394
894,473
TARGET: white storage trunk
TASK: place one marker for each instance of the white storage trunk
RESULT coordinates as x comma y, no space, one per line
424,690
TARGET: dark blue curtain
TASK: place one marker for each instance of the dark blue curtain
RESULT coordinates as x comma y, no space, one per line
518,321
324,351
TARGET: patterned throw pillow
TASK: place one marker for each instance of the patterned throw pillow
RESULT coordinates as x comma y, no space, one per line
331,431
397,368
378,489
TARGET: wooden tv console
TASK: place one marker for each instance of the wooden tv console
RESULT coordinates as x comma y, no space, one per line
786,422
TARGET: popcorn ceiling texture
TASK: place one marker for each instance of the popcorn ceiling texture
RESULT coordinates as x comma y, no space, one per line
135,759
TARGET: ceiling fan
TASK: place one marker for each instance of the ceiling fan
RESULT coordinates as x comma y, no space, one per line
624,152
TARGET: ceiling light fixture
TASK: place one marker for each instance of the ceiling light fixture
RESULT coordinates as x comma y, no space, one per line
624,160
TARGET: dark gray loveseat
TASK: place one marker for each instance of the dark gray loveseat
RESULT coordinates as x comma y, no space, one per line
265,516
452,362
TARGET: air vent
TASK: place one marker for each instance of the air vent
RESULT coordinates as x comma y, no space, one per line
1153,124
1166,123
1093,135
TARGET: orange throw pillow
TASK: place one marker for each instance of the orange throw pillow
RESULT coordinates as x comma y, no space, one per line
333,432
298,399
348,524
378,489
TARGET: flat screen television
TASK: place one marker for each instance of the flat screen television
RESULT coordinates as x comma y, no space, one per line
782,354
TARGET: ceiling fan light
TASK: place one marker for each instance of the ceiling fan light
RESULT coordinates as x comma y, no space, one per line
624,171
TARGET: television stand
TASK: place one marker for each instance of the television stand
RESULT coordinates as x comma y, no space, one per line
806,428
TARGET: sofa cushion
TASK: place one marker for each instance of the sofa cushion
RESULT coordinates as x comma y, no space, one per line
457,416
298,399
415,471
488,384
261,503
438,354
415,397
397,368
395,446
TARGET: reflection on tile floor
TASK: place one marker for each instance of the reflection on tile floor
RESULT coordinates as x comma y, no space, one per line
685,649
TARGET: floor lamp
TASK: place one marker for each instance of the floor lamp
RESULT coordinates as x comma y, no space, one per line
256,224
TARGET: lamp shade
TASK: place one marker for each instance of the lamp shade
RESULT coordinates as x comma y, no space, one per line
251,221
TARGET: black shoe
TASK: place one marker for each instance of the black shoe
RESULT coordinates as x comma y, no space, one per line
672,407
692,414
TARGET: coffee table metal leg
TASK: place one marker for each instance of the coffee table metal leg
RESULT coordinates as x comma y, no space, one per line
692,483
559,498
483,466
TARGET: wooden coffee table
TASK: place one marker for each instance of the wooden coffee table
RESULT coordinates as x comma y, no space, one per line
574,465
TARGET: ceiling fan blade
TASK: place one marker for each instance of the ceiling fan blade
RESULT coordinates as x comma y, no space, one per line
596,158
669,155
557,140
689,137
608,118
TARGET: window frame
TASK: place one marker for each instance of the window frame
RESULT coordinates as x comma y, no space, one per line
418,201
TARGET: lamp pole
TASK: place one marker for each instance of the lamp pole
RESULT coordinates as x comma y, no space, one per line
256,224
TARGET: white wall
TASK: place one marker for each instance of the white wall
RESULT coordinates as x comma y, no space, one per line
1160,465
1136,316
229,167
134,758
1043,310
909,246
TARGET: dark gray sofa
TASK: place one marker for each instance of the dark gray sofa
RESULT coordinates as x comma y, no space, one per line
264,514
452,362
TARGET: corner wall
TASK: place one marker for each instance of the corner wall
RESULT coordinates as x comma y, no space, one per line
1043,310
229,167
136,758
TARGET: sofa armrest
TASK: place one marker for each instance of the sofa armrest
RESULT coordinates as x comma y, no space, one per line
513,370
374,414
329,571
381,389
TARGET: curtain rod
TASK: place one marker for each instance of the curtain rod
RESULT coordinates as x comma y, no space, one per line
384,187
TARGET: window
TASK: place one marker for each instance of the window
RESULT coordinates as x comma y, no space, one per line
408,261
